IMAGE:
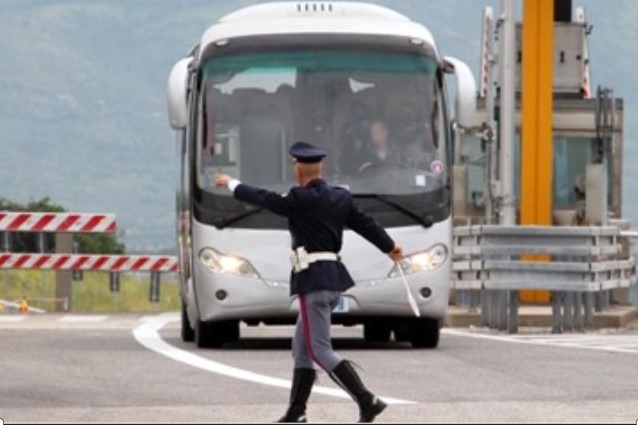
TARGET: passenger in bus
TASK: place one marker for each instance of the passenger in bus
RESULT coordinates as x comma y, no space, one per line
317,214
380,149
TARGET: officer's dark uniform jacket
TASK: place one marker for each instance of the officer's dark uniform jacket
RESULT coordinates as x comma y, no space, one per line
317,215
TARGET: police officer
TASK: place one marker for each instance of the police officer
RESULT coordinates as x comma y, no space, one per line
317,214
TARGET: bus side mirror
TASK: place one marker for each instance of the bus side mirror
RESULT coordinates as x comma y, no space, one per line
177,94
465,101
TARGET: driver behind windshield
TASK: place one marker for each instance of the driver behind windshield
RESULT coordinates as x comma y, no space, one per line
379,149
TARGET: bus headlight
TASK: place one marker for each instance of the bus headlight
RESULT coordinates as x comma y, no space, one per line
220,263
422,261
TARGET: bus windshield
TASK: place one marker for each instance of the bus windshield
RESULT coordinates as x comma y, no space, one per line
376,113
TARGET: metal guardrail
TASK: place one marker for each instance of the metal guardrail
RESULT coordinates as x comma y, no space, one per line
579,265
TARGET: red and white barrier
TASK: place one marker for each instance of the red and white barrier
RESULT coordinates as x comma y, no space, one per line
110,263
486,45
56,222
581,18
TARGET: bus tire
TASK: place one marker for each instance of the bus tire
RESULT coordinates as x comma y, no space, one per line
376,332
216,334
402,331
424,333
207,336
230,329
188,334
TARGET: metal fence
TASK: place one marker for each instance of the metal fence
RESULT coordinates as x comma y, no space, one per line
578,265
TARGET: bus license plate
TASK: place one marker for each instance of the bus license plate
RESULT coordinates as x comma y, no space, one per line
341,306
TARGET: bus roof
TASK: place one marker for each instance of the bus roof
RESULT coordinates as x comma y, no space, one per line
315,18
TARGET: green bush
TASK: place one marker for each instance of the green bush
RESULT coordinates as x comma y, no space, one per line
92,294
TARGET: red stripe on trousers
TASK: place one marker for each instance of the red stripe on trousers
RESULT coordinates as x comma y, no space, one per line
306,331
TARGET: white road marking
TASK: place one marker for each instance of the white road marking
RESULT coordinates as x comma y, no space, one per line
82,319
12,319
613,343
148,335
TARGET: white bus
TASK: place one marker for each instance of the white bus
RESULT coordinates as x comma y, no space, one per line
364,83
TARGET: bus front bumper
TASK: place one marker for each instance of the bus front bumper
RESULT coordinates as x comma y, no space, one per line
226,297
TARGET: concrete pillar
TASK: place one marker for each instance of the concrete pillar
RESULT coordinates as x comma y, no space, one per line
596,194
460,192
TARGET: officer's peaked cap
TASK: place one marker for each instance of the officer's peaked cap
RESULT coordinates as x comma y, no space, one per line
306,153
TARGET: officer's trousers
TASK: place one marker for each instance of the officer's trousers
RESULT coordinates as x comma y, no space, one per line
312,342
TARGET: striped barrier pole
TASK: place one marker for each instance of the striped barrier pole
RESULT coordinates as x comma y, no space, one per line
86,262
57,222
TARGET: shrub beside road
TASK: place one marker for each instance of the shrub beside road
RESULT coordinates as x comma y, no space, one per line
92,294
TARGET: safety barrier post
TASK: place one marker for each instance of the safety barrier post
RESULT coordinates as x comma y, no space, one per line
154,292
579,324
64,278
114,281
589,309
77,275
65,261
6,241
512,323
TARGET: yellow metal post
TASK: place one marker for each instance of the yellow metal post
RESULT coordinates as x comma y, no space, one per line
536,133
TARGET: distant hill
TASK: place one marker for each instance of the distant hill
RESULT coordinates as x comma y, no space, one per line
82,95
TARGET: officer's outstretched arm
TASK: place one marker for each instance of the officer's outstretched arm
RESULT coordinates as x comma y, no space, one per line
272,201
370,229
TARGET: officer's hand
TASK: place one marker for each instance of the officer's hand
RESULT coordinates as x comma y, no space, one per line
397,253
222,180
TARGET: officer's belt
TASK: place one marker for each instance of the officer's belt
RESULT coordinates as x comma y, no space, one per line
301,259
322,256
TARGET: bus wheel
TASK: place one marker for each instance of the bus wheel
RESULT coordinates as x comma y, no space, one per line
188,334
215,334
206,336
376,332
402,331
231,330
424,333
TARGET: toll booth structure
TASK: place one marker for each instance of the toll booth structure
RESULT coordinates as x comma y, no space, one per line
585,159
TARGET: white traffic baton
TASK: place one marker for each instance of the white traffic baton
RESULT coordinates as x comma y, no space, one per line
411,300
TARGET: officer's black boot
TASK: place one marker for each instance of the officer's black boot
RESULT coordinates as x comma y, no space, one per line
369,405
302,381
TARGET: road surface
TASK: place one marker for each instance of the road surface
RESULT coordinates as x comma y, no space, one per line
75,368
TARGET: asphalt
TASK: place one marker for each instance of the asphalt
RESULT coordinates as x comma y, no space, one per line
619,316
96,371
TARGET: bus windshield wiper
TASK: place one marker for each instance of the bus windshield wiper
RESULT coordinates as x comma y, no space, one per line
238,217
425,220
